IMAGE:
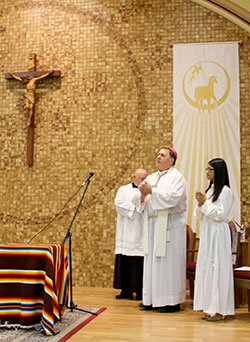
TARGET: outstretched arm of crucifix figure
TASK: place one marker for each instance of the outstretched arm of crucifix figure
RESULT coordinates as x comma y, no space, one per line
44,75
16,77
34,78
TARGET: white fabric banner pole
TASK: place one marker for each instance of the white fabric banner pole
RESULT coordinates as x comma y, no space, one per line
206,122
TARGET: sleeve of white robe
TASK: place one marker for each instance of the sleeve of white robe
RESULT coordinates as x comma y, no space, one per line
197,212
222,209
137,202
123,205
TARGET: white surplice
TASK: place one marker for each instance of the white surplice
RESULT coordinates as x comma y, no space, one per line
129,227
164,277
214,291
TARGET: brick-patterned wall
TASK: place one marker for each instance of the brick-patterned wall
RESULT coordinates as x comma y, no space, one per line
109,113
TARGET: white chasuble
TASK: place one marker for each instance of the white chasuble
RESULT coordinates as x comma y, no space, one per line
162,229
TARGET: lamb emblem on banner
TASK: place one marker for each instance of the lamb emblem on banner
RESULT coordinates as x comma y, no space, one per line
206,85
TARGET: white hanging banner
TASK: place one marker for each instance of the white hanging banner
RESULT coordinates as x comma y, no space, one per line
206,122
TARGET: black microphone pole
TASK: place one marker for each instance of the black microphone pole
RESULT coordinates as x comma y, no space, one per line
68,236
77,209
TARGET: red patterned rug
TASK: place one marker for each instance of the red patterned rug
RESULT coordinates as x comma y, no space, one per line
70,324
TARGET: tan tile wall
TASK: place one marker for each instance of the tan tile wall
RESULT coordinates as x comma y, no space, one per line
108,114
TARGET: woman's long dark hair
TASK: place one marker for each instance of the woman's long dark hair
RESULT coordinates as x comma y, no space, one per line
220,177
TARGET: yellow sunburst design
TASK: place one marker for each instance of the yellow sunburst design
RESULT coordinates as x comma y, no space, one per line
199,138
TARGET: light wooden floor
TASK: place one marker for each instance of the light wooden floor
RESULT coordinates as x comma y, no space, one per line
124,321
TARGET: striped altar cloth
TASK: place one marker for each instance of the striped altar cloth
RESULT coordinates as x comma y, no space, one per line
34,282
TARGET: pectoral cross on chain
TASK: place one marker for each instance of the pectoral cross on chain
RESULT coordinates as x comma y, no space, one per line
29,78
160,174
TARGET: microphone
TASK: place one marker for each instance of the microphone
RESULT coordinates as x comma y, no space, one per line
87,180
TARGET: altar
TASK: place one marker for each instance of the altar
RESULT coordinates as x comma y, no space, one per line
34,285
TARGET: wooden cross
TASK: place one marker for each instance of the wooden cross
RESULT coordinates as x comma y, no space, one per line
30,78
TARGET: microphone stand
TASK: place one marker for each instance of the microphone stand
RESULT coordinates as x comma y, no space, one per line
68,236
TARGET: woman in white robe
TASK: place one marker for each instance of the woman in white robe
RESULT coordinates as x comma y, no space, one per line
214,291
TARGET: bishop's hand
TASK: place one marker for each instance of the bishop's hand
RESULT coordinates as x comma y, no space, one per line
145,188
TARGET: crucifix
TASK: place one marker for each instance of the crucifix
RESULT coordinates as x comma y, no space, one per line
29,78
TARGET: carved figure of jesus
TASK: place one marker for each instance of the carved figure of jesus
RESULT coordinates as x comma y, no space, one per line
30,92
